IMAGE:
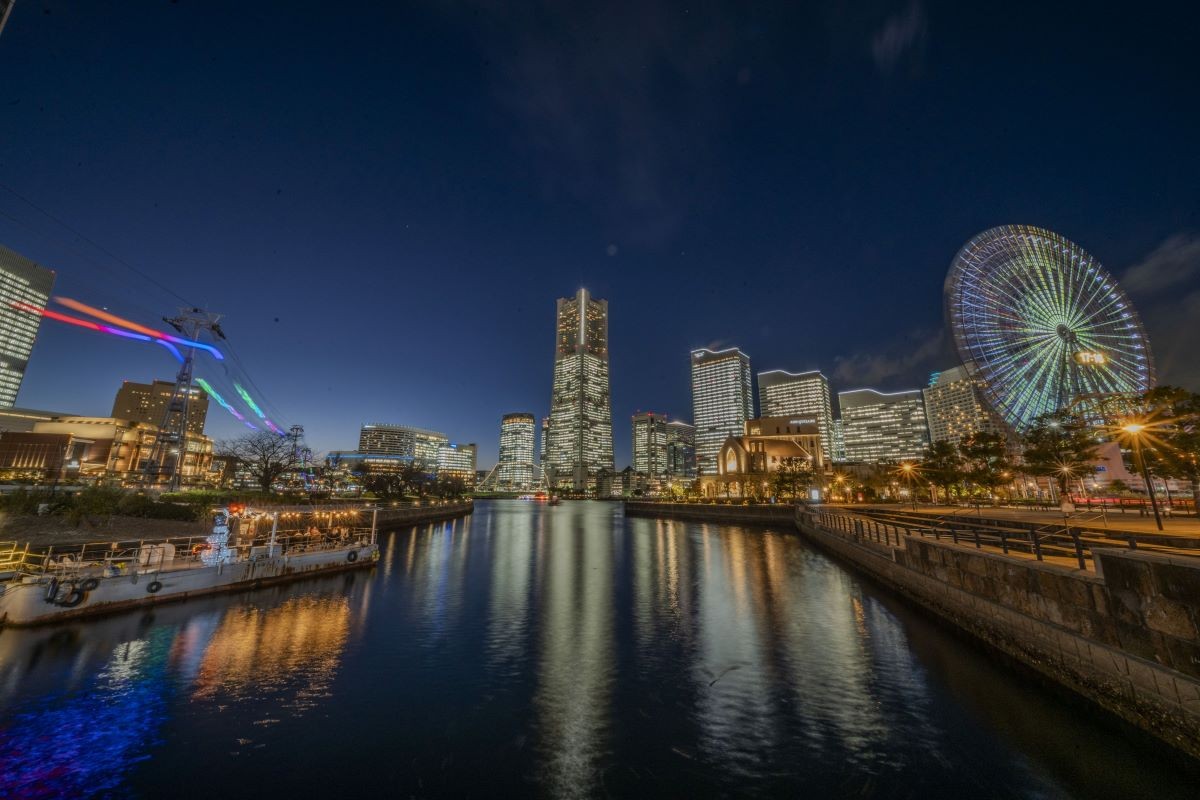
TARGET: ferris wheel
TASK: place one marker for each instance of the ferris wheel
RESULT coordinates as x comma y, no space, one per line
1043,323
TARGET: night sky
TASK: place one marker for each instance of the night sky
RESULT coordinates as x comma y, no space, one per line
385,199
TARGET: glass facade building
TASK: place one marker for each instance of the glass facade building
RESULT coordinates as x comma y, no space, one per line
457,461
402,441
514,468
650,444
26,283
681,450
722,401
783,394
880,426
956,408
580,441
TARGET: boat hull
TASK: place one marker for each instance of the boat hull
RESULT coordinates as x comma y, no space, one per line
24,604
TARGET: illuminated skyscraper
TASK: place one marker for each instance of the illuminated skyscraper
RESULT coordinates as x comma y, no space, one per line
514,469
148,402
782,394
21,281
955,407
681,449
883,426
457,461
722,401
542,444
650,443
580,441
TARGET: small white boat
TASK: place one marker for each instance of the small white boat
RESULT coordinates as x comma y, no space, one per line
245,550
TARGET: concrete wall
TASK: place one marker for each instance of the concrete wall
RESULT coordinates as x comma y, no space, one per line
779,514
1126,638
390,518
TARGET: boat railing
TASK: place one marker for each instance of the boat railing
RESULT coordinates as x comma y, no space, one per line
96,559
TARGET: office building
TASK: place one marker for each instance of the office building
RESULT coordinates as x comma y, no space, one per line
956,408
681,449
839,441
803,394
650,444
457,461
722,401
514,468
882,426
24,290
580,441
542,442
401,441
148,402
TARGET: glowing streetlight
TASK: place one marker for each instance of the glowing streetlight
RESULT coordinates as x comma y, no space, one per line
1134,431
907,469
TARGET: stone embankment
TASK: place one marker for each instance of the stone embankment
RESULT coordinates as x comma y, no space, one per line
1126,637
399,517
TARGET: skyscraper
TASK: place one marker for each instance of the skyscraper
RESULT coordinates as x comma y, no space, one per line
580,442
147,402
650,443
883,426
514,469
542,443
955,406
681,449
722,401
782,394
28,284
457,461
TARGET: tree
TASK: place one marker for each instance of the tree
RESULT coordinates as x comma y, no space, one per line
943,466
793,477
985,457
1061,445
1172,444
265,455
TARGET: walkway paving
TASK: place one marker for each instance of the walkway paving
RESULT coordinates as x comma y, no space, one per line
1179,526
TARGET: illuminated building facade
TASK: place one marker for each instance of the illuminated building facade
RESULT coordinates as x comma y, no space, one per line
955,407
782,393
722,401
402,441
839,441
746,463
542,443
882,426
580,441
681,449
514,469
457,461
650,444
21,281
147,402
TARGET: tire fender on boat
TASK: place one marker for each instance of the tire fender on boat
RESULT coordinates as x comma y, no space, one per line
352,556
153,586
74,597
89,584
51,590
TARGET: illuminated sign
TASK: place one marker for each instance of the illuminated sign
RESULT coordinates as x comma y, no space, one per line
1090,357
802,421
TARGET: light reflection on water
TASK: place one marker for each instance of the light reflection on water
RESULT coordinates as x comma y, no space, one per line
564,652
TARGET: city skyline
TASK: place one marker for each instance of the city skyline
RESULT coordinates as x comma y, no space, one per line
472,225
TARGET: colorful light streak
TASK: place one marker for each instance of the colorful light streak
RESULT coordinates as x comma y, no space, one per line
222,402
148,333
254,407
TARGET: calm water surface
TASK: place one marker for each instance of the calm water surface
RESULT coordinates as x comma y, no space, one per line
568,651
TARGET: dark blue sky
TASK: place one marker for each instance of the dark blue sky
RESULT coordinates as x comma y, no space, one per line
386,199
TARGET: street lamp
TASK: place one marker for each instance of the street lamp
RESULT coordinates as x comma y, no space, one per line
907,469
1134,429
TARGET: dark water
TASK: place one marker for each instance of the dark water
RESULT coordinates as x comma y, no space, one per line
531,651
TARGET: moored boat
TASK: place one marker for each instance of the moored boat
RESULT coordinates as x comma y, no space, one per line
246,549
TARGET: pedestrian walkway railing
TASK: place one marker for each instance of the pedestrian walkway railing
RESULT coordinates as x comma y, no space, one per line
1046,542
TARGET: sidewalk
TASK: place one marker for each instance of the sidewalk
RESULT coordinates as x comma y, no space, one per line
1179,526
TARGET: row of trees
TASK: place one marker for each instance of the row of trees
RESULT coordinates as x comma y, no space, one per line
1161,426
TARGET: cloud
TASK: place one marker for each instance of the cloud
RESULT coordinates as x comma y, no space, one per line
902,38
1174,261
1165,288
921,352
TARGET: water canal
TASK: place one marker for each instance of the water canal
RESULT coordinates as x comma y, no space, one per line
567,651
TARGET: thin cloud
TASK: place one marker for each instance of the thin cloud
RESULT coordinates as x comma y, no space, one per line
922,351
1175,261
902,38
1165,287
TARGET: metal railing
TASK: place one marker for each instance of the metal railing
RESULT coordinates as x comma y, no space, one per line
1052,540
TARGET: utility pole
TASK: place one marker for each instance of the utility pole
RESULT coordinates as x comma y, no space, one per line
171,438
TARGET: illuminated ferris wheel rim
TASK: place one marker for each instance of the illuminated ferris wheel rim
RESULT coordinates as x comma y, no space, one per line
1042,322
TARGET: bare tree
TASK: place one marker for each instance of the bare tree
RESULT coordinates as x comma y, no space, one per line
264,454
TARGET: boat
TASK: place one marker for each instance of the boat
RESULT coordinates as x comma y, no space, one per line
246,549
554,500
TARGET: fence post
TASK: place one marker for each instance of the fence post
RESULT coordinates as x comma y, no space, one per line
978,544
1078,548
1037,547
954,535
1003,542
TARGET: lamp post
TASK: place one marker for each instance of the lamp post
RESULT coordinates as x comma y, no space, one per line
907,469
1134,430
